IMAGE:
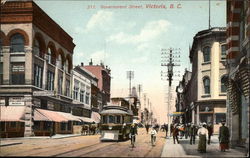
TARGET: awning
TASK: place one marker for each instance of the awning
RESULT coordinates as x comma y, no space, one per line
69,116
38,116
12,113
96,117
53,115
86,119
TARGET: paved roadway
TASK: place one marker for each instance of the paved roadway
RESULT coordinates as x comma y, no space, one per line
86,146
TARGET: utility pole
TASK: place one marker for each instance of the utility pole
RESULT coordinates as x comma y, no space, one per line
170,58
209,25
130,76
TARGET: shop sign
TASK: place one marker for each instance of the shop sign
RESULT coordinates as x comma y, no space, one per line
16,101
2,101
43,93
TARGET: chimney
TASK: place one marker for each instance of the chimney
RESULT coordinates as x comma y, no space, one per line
90,63
82,64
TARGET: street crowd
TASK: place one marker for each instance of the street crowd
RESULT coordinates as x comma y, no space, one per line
203,131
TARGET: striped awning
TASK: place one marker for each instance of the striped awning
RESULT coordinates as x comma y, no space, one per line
53,115
12,113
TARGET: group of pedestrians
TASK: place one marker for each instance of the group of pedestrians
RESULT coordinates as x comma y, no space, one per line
204,131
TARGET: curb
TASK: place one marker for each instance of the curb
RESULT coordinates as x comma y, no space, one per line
9,144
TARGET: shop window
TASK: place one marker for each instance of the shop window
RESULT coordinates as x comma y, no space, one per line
2,127
69,125
1,73
37,125
206,83
17,73
219,117
38,75
47,126
50,81
206,54
17,43
13,124
63,126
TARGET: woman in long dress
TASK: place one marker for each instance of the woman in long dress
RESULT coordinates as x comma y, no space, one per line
203,134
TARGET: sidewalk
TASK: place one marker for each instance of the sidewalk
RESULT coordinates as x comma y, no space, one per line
184,149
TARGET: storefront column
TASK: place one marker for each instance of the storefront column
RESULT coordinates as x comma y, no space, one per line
28,66
198,115
29,113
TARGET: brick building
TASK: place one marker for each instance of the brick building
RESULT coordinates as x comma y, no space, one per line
238,63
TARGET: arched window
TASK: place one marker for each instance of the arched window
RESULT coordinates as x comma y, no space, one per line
60,62
206,83
36,48
49,56
206,53
223,84
67,66
17,43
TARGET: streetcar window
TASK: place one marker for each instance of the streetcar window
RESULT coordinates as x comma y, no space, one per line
111,119
118,120
104,119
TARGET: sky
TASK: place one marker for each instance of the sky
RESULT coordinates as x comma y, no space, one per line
131,39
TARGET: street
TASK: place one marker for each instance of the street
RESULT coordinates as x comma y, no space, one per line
86,146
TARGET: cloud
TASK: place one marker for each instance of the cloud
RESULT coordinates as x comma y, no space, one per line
99,56
149,32
99,20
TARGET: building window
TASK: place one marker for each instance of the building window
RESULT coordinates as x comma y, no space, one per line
36,48
60,62
223,84
38,72
206,54
111,119
17,73
223,51
219,117
82,96
49,56
17,43
60,84
50,81
87,98
76,90
1,73
68,88
206,83
67,66
37,125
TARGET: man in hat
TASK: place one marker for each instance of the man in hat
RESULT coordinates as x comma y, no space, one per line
203,134
192,132
224,136
210,132
133,132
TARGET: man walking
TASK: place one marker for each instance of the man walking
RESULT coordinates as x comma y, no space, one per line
210,132
224,137
166,129
192,132
175,133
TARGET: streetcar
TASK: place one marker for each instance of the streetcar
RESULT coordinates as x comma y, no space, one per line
115,123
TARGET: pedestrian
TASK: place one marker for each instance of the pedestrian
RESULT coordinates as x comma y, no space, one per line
203,134
153,133
223,137
192,132
171,129
175,133
166,129
186,131
147,127
133,132
210,132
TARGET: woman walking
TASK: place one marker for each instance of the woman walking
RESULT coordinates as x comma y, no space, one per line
223,137
203,134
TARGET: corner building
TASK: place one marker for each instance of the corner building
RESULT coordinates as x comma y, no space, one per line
36,70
